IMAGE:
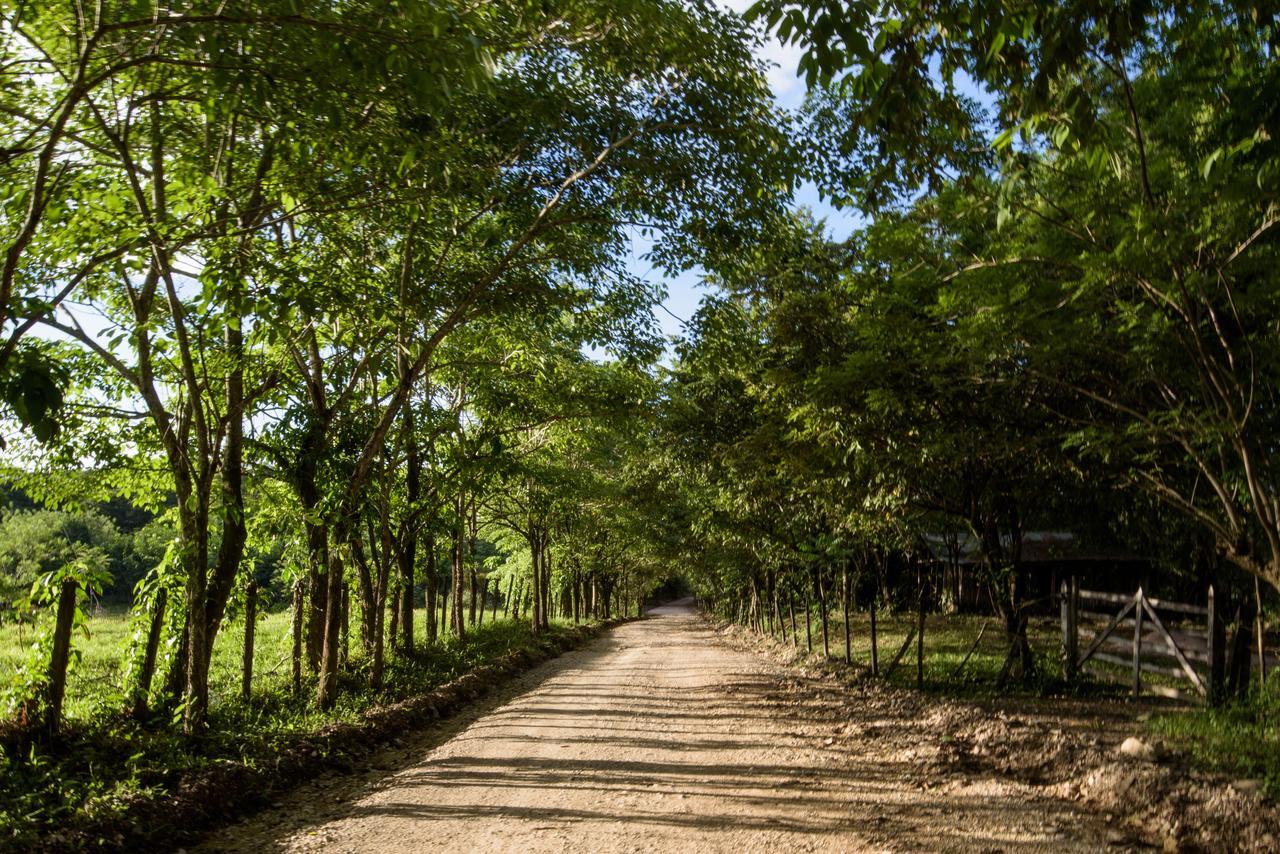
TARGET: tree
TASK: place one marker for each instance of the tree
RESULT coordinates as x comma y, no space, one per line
1137,159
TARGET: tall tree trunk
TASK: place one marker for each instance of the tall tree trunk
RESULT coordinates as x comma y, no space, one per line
196,695
822,603
296,670
344,652
432,582
444,608
920,600
575,591
457,615
175,678
327,686
407,536
875,641
368,592
317,588
546,581
142,687
808,618
534,583
394,603
250,623
845,595
791,605
235,531
471,561
56,685
379,641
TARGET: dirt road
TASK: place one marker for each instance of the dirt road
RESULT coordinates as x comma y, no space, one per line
660,737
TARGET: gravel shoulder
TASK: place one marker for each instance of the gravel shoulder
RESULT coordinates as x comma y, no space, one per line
668,735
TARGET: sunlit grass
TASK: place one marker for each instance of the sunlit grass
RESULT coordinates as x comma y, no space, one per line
1242,738
105,758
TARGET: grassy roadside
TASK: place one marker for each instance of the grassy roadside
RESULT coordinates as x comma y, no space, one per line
1241,738
109,774
963,653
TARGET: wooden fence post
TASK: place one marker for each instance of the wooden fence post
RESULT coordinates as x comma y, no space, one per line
1070,634
1137,642
875,652
1214,640
1261,631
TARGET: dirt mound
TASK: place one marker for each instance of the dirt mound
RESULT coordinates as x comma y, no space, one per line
1149,789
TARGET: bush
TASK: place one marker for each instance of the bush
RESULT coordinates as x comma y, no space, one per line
34,543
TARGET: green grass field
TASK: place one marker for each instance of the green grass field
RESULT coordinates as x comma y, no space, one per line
104,758
95,679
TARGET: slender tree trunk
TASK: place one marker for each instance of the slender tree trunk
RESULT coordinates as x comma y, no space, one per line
318,589
250,623
546,582
822,603
444,608
142,688
471,564
430,545
845,591
368,592
394,603
406,556
535,580
379,637
298,598
777,610
920,598
197,690
176,676
344,653
576,592
1262,649
457,615
57,678
327,687
808,619
407,536
791,606
875,649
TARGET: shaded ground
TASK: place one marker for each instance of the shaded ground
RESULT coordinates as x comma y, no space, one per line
659,737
